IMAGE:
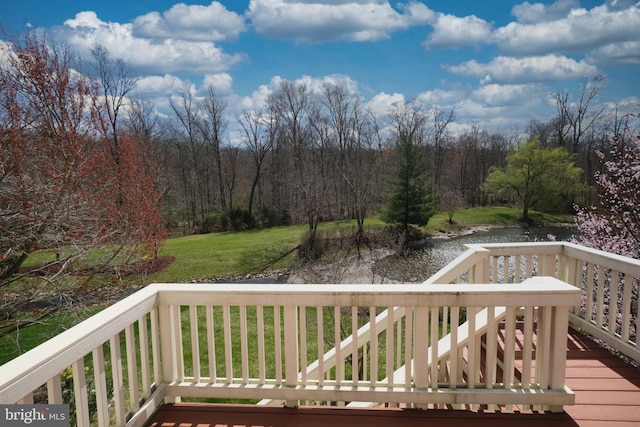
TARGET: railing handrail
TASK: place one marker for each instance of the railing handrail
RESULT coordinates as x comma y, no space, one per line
23,374
403,295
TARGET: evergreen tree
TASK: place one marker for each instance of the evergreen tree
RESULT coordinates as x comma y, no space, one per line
411,199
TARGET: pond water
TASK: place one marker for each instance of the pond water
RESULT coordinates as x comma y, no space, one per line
430,255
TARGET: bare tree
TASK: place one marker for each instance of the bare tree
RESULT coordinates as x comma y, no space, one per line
191,153
439,138
575,119
260,133
213,125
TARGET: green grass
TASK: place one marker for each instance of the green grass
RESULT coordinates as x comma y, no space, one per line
496,216
237,253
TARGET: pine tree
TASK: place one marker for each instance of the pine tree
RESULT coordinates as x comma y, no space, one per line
411,199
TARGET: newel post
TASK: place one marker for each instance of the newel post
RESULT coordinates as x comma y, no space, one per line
167,348
558,350
291,350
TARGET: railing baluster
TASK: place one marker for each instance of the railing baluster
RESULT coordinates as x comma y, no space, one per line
355,365
408,345
509,347
627,283
303,344
118,382
54,389
228,345
600,296
491,348
278,344
433,338
244,346
145,368
291,349
320,332
261,349
211,344
195,342
527,347
613,302
494,269
453,345
636,281
80,393
421,353
176,318
337,338
132,367
389,347
473,361
373,352
155,346
100,384
589,293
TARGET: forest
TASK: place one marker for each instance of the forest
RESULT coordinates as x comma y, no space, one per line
310,155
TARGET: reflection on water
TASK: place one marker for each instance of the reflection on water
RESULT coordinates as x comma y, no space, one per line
433,254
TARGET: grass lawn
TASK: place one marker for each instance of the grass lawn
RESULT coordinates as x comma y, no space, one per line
237,253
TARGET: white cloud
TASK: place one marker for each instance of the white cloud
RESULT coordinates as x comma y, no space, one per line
529,13
191,22
616,53
508,95
167,56
504,69
330,20
441,96
161,85
451,31
221,82
382,103
578,32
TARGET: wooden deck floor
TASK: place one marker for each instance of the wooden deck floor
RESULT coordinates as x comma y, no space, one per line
607,394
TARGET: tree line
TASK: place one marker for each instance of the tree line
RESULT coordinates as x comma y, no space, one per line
311,155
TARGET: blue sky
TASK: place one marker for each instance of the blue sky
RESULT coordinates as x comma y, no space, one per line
497,63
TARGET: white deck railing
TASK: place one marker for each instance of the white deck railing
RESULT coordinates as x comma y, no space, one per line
295,342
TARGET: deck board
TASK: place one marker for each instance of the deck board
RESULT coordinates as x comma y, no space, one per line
607,394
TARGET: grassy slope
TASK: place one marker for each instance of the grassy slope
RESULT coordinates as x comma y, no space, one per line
236,253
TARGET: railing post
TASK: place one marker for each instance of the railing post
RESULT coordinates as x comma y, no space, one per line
291,350
167,349
558,350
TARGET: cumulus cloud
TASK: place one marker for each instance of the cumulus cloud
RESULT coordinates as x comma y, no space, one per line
504,69
616,53
509,94
191,22
221,82
319,21
529,13
166,55
161,85
579,31
451,31
441,96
